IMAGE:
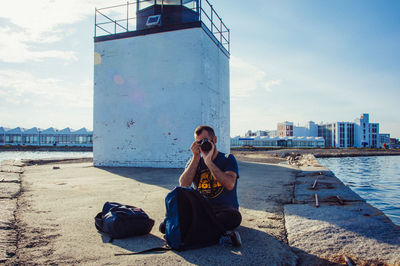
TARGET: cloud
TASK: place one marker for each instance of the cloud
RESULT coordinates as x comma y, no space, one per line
27,100
19,88
43,16
246,78
271,83
28,23
14,48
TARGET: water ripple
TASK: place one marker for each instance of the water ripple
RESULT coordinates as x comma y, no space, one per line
17,155
376,179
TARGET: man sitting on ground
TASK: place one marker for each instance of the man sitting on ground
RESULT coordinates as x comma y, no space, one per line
215,175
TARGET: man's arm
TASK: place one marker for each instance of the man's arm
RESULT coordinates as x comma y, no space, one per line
227,179
188,175
186,179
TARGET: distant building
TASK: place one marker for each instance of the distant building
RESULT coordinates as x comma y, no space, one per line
344,135
360,133
384,138
393,143
2,134
328,132
272,133
310,130
285,129
366,133
288,129
293,142
261,133
250,133
47,137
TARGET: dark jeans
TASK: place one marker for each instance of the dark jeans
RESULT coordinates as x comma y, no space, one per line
229,217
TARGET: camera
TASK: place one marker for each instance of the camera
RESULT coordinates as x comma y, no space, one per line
205,144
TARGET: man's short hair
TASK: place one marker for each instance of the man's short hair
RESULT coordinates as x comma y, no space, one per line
200,129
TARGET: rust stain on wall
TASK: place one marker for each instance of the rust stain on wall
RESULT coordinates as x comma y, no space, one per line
130,123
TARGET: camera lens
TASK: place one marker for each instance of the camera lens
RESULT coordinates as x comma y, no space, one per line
205,145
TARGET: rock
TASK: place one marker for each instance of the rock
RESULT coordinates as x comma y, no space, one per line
284,154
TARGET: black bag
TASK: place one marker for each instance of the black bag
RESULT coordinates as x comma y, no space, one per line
119,221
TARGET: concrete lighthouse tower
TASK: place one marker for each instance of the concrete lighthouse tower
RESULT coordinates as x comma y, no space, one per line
158,76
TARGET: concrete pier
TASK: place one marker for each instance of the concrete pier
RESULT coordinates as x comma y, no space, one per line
52,220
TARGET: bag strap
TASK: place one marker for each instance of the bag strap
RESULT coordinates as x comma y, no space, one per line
163,248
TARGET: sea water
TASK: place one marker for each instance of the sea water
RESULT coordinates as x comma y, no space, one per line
376,179
18,155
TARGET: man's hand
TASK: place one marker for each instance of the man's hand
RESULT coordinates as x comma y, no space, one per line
187,176
228,178
195,148
208,157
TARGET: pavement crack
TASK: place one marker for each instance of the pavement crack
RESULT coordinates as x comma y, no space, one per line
12,250
10,181
285,233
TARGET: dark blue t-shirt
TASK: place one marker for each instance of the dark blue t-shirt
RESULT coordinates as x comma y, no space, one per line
206,183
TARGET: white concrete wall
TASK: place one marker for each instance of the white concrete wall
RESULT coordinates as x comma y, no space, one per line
152,91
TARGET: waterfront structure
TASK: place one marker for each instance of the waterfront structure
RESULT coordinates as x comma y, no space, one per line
3,134
394,143
288,129
328,132
257,133
14,136
360,133
156,80
310,130
249,133
275,142
31,136
344,135
285,129
366,133
48,137
272,133
384,138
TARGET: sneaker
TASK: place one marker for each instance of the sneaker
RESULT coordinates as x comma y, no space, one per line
162,227
235,238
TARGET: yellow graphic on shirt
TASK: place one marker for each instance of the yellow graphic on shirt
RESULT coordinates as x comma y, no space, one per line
209,185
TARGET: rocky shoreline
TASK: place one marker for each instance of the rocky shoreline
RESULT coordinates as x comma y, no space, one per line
281,155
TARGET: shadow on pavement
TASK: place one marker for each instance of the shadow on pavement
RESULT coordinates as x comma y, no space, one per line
163,177
258,248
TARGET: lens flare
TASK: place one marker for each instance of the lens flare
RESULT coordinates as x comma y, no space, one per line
118,79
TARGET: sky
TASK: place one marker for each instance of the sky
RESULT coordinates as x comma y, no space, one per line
291,60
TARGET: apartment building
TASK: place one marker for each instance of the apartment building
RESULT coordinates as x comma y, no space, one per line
360,133
285,129
344,134
366,133
328,132
384,138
